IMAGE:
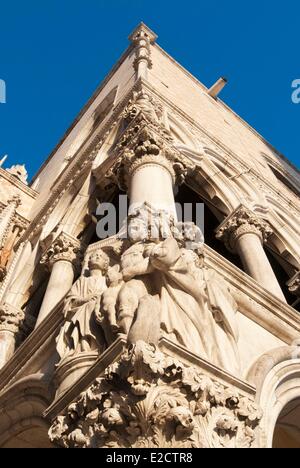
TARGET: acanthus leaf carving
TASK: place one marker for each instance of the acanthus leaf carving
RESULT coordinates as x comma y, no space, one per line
66,248
148,400
242,221
10,318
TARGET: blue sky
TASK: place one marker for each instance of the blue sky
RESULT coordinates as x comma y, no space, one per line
53,54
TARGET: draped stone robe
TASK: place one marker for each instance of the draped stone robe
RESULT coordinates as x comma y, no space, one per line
198,311
80,333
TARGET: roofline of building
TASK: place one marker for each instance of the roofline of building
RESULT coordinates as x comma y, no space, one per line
102,84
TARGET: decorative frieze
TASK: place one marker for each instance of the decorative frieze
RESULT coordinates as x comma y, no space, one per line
242,221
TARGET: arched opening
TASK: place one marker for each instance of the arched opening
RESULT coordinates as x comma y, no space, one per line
212,219
287,428
280,269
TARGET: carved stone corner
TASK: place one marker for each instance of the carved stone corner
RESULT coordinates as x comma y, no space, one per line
146,140
242,221
148,398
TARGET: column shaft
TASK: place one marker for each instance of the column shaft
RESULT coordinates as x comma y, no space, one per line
244,233
60,282
153,184
256,264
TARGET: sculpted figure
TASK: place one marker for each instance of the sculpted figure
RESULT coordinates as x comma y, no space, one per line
167,290
135,268
110,296
80,332
197,309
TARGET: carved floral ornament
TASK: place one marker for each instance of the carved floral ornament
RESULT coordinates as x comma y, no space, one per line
242,221
10,318
146,140
148,399
64,248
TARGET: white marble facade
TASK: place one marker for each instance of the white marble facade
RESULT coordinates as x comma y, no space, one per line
155,336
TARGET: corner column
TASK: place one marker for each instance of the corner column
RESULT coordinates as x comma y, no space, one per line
243,232
62,259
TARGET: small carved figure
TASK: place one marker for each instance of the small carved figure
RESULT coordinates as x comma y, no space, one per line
80,332
110,296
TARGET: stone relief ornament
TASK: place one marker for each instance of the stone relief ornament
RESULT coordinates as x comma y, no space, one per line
11,318
243,221
150,400
146,139
159,287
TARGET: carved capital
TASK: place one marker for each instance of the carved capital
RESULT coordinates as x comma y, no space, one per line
146,141
242,221
10,318
294,284
148,399
64,248
141,38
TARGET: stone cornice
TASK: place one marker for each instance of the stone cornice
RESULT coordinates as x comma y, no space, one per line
264,307
115,351
18,184
107,358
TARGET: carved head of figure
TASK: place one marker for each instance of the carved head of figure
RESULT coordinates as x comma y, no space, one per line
149,223
138,229
114,276
183,418
112,417
99,261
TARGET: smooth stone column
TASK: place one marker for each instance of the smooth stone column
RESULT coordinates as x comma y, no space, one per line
153,183
10,321
62,259
244,233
